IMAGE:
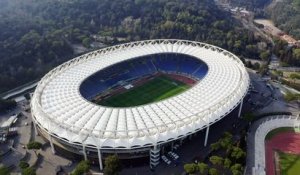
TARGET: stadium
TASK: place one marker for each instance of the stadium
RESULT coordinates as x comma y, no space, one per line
137,98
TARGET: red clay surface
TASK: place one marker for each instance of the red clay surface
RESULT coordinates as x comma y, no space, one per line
287,142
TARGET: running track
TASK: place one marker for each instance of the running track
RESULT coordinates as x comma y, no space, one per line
288,142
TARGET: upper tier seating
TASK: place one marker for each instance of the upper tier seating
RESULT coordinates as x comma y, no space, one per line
143,66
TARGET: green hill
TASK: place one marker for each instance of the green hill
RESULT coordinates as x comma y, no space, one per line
37,35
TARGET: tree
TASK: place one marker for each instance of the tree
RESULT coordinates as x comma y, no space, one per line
4,170
237,153
213,171
190,168
265,55
227,163
294,76
236,169
249,64
86,42
23,164
226,141
248,116
27,96
263,69
256,66
215,146
202,167
81,168
216,160
291,97
112,165
7,104
28,171
296,54
34,145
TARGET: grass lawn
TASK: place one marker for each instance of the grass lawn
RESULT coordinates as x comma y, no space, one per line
277,131
289,164
154,90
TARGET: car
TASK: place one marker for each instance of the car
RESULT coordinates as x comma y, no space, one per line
173,155
166,160
176,146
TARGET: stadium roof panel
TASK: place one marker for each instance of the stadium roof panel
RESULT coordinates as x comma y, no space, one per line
58,106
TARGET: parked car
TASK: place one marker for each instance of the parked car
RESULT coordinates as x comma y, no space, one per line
176,146
166,160
173,155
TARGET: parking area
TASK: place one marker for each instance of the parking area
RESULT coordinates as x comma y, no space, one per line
13,150
267,96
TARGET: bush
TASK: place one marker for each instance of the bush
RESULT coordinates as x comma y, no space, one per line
34,145
237,153
216,160
4,170
112,165
248,116
82,167
236,169
23,165
291,97
202,167
227,163
28,171
190,168
215,146
213,171
257,117
7,104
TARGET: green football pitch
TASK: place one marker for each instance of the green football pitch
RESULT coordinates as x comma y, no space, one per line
289,164
154,90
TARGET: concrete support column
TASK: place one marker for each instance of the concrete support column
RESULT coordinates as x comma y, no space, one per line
154,156
84,152
241,106
100,159
206,135
35,128
51,144
180,141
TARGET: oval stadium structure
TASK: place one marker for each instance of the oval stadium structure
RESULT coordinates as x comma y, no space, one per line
133,99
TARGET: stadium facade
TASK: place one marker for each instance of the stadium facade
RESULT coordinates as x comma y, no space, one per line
65,112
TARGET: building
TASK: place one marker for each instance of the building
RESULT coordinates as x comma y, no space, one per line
64,112
4,127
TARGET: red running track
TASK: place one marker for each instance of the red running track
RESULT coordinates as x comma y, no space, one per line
288,142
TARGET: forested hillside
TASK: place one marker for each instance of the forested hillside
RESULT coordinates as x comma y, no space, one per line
249,4
286,15
37,35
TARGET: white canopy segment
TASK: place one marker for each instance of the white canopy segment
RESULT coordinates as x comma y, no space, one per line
59,109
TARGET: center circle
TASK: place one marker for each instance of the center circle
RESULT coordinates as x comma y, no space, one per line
143,80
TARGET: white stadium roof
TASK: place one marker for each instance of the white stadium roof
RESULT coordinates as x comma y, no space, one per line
59,108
